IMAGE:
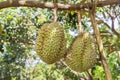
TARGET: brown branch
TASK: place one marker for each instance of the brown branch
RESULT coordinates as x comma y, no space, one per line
38,4
113,22
100,45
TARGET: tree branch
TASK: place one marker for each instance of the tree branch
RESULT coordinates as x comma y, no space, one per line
113,23
100,45
38,4
112,29
90,75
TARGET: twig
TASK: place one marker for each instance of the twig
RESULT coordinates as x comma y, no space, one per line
112,29
81,77
90,76
113,26
63,64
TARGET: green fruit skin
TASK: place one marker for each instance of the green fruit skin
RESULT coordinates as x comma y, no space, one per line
82,54
51,42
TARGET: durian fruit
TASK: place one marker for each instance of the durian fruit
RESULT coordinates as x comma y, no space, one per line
51,42
82,53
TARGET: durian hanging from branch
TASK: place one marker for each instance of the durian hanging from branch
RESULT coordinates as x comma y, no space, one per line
82,54
51,43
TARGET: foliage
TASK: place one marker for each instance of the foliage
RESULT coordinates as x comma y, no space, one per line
14,42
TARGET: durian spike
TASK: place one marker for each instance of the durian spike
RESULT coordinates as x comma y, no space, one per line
79,23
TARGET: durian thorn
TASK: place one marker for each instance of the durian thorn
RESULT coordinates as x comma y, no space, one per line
79,23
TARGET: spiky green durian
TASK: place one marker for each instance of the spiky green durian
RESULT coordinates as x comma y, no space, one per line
82,53
51,43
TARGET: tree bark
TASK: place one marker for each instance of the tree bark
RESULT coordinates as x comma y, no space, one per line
38,4
100,46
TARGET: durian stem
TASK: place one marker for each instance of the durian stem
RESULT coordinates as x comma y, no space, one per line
55,13
79,22
100,44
